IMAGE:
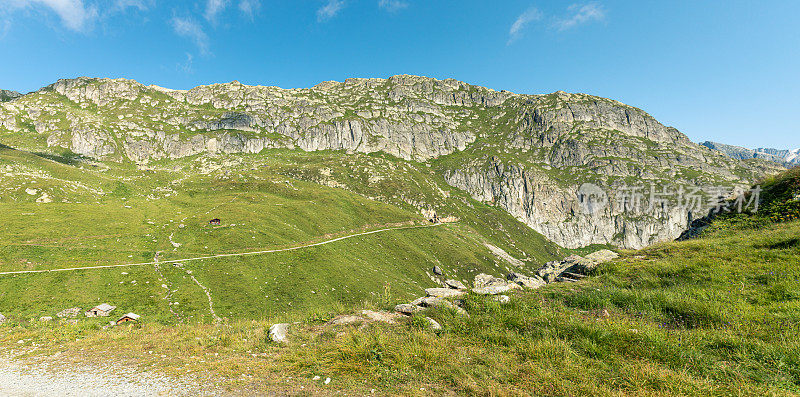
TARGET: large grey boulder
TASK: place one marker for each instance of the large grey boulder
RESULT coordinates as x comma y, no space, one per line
551,270
433,302
279,332
407,308
485,280
2,318
525,281
455,284
485,284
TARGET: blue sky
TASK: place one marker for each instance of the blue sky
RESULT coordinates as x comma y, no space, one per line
718,70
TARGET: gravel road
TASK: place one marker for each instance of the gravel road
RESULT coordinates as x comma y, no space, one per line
17,379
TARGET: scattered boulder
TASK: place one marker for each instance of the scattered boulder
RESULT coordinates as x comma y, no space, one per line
381,316
45,319
490,285
433,324
2,318
525,281
433,302
484,280
407,308
602,256
455,284
69,313
501,298
437,271
418,301
493,290
444,292
346,319
553,269
279,332
366,315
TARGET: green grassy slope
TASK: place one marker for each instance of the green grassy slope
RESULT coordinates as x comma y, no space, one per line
111,214
717,315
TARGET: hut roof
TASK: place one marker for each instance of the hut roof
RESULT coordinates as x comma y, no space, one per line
105,307
132,316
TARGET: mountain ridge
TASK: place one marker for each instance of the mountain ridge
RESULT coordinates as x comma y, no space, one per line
785,157
527,154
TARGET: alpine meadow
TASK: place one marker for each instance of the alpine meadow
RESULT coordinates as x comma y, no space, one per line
403,235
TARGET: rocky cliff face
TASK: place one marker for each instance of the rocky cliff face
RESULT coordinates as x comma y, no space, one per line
528,154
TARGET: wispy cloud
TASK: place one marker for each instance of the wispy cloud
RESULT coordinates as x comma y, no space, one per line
186,67
249,7
581,14
530,15
392,5
213,8
74,14
329,10
192,30
5,26
142,5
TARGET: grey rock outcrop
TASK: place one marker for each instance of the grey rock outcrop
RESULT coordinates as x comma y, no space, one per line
407,308
455,284
485,284
525,281
574,266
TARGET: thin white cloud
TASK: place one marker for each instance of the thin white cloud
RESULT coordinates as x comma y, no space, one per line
186,67
392,5
74,14
213,8
581,14
5,26
192,30
249,7
142,5
530,15
329,10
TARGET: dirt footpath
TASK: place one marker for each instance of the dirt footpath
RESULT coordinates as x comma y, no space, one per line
17,379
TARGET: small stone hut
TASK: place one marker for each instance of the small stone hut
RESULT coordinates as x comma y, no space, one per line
102,310
129,318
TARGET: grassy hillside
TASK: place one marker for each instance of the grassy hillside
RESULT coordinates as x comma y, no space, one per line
70,212
717,315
